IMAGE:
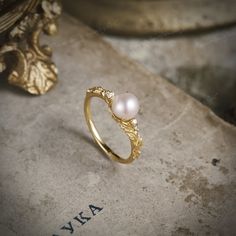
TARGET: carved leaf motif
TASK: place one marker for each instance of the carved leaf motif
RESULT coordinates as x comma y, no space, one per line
42,77
31,73
24,26
51,8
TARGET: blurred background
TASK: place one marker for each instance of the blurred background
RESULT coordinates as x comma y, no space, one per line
189,43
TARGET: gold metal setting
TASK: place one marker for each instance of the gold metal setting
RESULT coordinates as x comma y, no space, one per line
129,126
29,64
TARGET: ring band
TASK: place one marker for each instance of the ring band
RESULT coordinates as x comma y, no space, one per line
122,107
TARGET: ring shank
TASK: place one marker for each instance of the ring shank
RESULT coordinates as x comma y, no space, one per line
108,151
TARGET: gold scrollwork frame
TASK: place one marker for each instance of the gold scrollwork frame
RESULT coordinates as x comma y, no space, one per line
29,64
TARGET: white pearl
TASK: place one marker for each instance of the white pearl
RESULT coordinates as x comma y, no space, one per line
125,106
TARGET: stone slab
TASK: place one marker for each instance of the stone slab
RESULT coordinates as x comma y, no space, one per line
50,170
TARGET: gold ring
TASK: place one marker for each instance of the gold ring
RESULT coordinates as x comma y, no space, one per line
123,108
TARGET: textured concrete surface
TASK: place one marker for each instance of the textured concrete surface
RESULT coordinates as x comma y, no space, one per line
183,184
202,64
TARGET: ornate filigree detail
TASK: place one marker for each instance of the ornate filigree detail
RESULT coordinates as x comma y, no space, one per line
32,69
130,127
107,95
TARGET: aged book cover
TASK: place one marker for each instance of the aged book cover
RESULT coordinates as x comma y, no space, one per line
54,180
